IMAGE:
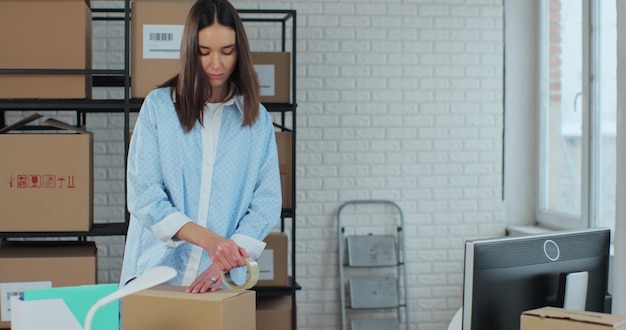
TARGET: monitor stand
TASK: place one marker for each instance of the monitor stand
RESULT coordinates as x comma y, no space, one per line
574,295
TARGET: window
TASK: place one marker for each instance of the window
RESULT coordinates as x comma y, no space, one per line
577,154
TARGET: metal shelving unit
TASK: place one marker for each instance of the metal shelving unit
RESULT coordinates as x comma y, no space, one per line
82,107
128,105
283,17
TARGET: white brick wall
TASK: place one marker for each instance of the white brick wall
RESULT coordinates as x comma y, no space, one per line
398,100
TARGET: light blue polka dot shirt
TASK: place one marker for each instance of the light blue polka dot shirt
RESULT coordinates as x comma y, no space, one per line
220,175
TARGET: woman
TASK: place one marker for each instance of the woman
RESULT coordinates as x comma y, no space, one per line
203,180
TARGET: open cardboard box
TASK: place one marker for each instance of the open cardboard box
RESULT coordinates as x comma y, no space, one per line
47,178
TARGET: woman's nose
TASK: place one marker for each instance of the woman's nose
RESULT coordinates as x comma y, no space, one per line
214,60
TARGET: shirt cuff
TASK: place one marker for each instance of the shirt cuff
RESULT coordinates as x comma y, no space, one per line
253,246
168,227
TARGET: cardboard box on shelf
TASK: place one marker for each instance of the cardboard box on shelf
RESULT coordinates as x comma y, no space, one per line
553,318
46,181
273,313
29,265
273,261
167,307
157,29
51,34
285,163
274,72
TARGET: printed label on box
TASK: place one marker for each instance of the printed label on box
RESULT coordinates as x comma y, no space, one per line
10,289
266,265
43,181
162,41
267,80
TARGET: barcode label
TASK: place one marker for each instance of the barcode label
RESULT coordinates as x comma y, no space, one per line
14,293
162,41
12,289
161,36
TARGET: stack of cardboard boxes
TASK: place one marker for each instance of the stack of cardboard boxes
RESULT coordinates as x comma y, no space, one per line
46,177
274,312
46,182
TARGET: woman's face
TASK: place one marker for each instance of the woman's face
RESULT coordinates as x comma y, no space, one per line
218,57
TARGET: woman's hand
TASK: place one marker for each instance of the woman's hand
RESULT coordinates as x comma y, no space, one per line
226,254
210,279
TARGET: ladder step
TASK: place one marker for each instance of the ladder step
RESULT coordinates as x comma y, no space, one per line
381,324
371,250
373,292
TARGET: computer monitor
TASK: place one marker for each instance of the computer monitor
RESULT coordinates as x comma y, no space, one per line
506,276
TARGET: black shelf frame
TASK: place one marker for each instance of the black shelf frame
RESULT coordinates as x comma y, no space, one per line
127,105
283,17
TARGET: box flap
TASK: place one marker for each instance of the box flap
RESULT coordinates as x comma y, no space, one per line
21,122
579,316
59,124
29,118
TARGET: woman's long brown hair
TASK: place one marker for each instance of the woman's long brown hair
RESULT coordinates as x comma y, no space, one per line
191,84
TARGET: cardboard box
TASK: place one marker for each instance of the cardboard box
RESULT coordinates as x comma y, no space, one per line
167,307
51,34
46,181
273,313
28,265
273,261
274,72
285,162
156,35
552,318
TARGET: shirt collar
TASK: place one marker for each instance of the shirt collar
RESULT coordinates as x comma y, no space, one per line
238,100
239,103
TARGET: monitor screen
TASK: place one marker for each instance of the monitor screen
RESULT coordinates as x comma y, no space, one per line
506,276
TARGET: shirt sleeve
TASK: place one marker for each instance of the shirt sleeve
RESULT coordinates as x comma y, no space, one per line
264,210
147,198
253,246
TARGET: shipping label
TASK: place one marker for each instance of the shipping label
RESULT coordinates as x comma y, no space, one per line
266,265
267,80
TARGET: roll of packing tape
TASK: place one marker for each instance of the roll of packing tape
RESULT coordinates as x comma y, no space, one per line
252,278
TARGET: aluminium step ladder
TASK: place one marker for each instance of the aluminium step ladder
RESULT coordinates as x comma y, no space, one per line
372,273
